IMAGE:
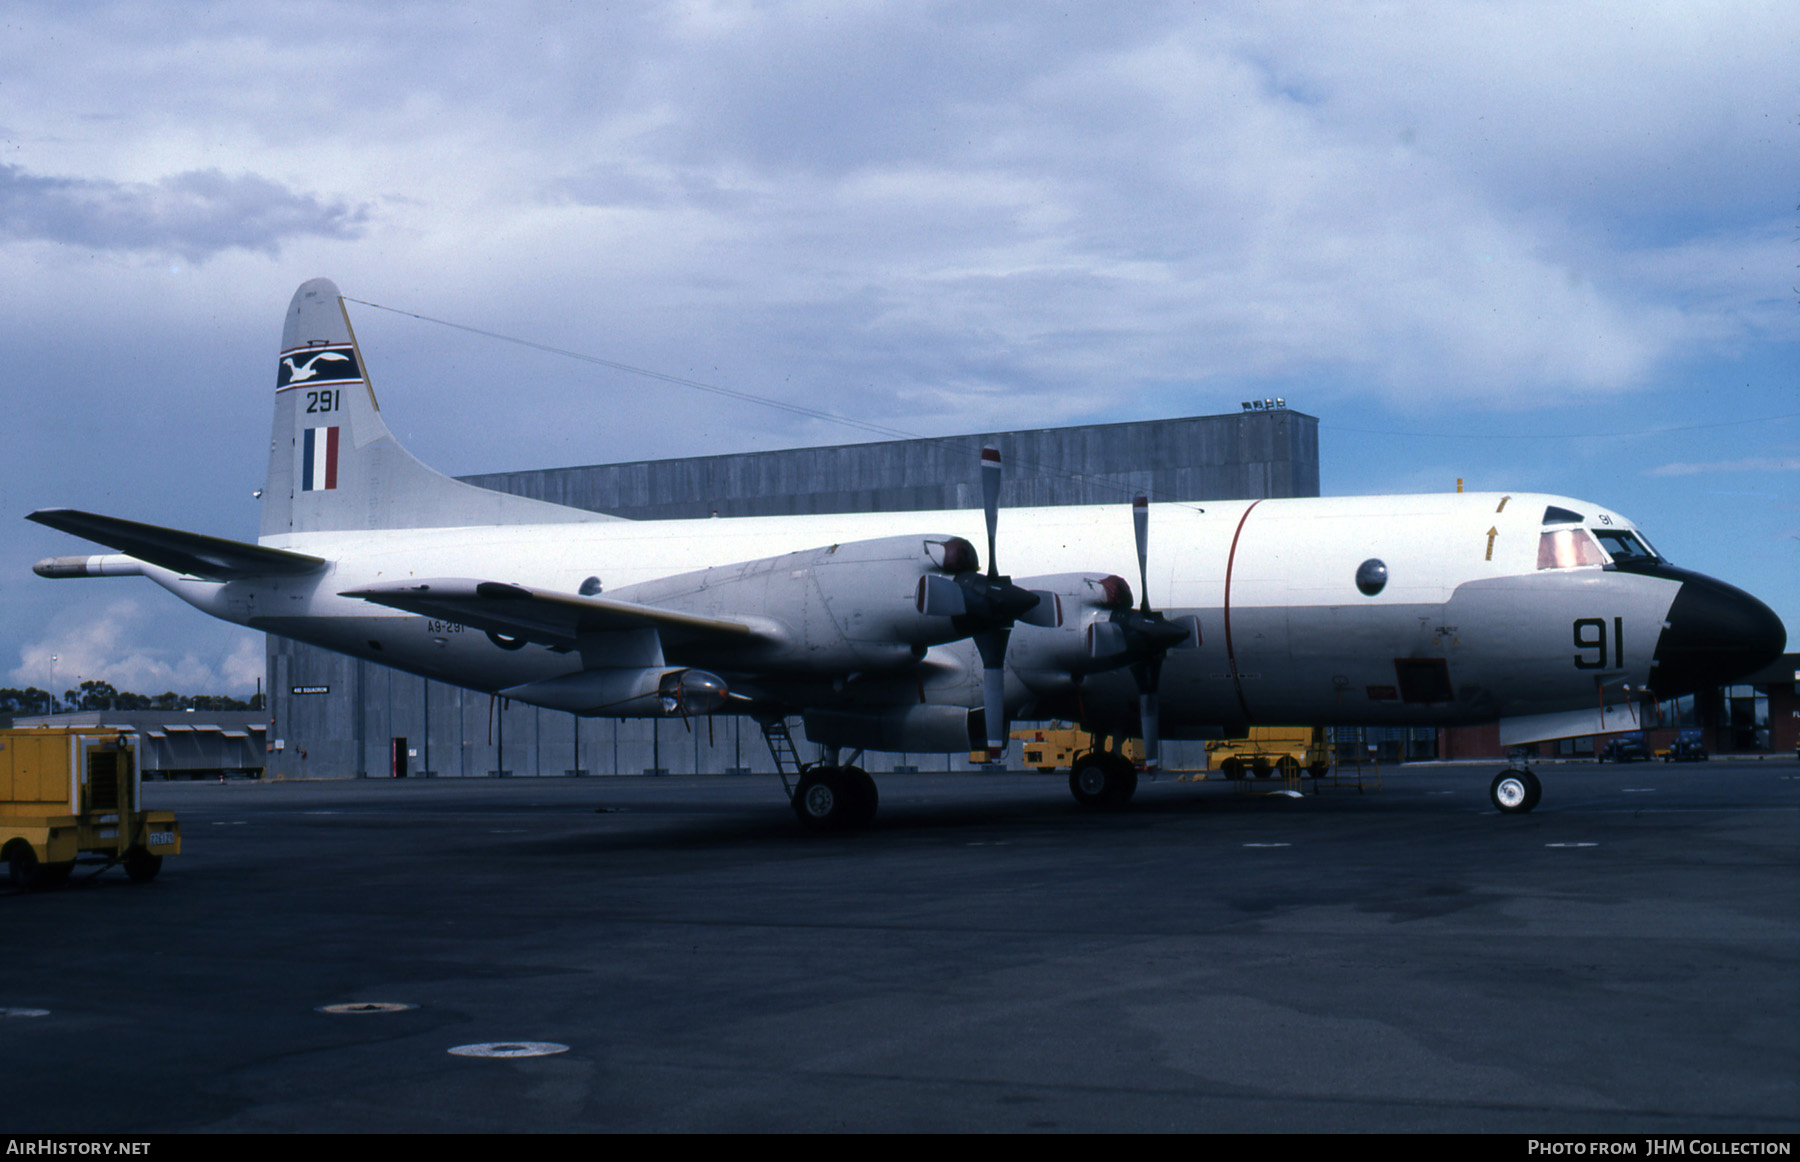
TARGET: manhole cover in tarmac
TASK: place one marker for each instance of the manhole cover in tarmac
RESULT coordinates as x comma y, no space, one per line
4,1013
510,1049
367,1007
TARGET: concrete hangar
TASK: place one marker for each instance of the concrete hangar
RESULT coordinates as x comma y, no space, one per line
335,716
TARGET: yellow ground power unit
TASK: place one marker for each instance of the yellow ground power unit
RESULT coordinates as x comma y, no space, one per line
69,793
1057,749
1271,750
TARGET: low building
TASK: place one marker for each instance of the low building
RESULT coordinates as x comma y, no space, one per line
180,744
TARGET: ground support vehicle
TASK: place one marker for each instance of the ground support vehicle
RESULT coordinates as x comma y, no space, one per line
1056,749
73,793
1624,749
1289,751
1688,747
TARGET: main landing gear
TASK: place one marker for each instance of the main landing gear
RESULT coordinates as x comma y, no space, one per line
832,798
1102,779
829,796
1515,791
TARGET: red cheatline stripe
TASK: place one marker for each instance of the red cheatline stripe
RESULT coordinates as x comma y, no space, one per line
1230,654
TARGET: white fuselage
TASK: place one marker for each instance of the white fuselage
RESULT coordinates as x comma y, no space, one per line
1468,627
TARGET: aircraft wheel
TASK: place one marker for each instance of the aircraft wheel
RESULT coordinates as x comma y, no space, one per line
1088,781
863,797
824,800
1121,780
24,867
1515,792
141,866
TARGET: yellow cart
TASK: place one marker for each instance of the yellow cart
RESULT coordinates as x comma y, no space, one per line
70,792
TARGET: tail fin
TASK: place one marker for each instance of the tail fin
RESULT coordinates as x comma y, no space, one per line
334,465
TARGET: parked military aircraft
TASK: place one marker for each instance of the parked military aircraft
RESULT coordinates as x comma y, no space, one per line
882,631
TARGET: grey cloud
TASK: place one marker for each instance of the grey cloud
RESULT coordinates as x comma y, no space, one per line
194,214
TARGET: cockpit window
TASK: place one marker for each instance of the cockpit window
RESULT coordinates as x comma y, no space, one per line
1567,549
1562,516
1624,545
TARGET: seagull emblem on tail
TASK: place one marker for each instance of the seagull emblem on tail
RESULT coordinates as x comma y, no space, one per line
306,370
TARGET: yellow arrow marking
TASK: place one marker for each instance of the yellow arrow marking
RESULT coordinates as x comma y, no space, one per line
1503,501
1492,533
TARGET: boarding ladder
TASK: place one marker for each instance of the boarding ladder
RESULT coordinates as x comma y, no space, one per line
782,750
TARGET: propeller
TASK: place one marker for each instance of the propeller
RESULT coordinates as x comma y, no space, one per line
985,607
1143,637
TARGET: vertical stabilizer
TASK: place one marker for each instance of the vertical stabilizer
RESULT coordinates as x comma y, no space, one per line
334,465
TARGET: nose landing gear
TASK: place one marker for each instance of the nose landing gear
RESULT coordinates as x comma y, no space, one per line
1515,791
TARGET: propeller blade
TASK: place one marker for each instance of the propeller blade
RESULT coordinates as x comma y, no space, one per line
1106,640
940,597
1140,525
1149,674
1149,717
990,499
1048,612
993,700
991,644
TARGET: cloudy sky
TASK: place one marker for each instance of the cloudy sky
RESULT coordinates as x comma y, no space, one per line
1540,246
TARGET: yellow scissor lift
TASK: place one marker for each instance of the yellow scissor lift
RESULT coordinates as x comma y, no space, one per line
68,792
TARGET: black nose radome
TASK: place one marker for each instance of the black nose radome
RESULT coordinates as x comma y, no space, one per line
1714,634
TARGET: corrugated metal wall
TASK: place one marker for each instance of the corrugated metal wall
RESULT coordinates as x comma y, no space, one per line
1232,457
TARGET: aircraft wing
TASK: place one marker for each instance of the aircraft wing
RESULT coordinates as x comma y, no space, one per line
545,615
195,554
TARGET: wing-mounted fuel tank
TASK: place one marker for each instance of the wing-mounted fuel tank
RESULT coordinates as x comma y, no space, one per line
629,692
847,608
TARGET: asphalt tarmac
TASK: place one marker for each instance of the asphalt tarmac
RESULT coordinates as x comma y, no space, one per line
987,957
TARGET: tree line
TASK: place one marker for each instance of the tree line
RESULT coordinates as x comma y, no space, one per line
102,696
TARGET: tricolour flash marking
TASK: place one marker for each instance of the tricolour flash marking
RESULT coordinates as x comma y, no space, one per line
319,460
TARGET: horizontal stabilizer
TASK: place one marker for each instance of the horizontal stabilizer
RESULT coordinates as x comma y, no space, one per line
194,554
541,615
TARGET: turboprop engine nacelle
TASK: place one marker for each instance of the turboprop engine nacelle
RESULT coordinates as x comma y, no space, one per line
1053,658
845,608
1096,629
